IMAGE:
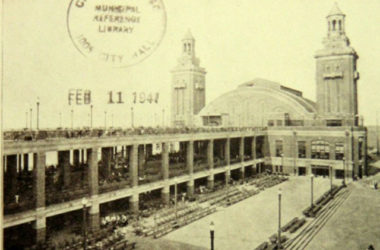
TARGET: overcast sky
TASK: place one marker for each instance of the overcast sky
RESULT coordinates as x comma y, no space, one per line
236,41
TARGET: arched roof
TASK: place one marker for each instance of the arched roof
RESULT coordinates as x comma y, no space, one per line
255,102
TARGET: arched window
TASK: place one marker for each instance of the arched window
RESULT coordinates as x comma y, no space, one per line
333,25
189,46
320,150
340,24
184,47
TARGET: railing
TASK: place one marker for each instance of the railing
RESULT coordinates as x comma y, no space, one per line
31,135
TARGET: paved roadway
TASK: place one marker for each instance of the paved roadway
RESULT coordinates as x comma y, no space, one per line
250,222
356,224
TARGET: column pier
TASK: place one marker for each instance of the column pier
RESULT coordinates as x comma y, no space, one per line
93,215
253,148
40,228
165,195
227,151
165,161
133,171
39,178
190,157
190,188
241,149
92,159
134,203
106,160
210,181
64,164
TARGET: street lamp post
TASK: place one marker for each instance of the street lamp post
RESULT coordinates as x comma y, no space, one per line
312,190
212,234
38,113
279,220
84,203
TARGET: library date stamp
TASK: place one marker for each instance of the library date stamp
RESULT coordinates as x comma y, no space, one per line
117,32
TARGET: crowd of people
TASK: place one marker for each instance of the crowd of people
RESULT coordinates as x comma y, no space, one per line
30,135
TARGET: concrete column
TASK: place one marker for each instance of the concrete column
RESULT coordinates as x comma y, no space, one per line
39,178
106,160
241,149
26,162
141,160
210,154
227,176
227,151
165,161
133,172
134,203
92,159
295,153
210,160
165,195
253,148
190,188
64,164
76,157
40,228
210,181
12,174
242,173
94,217
190,157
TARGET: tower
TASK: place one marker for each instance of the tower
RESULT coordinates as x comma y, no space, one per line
188,85
336,74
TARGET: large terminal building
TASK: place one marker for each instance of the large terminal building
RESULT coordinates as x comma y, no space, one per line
261,126
302,136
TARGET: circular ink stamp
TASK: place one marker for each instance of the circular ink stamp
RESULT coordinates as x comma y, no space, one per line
117,32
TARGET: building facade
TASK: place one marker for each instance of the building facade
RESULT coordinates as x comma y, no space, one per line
188,85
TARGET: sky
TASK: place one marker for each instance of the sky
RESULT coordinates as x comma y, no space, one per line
236,41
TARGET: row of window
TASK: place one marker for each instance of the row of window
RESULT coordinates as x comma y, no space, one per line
319,150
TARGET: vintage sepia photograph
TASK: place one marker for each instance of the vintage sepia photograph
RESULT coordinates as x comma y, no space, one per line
190,125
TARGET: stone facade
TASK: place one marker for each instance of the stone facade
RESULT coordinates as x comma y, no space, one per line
188,86
336,73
